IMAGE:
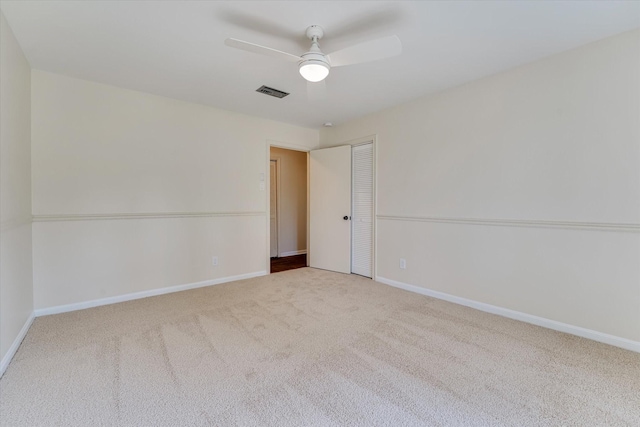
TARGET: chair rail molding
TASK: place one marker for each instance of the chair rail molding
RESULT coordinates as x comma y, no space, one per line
579,225
144,215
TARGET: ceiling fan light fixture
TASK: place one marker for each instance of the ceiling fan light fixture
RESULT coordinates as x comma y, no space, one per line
314,71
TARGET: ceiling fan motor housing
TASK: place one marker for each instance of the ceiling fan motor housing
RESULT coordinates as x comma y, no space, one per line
314,58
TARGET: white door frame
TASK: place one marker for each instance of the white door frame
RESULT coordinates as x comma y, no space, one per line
287,146
277,160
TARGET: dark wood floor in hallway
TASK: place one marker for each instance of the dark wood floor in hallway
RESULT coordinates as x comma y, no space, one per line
288,263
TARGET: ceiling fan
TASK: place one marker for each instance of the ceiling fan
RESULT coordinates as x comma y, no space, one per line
314,65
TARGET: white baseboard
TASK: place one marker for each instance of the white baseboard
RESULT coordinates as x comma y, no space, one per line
16,343
143,294
292,253
517,315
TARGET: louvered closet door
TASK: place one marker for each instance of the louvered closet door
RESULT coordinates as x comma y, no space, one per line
362,210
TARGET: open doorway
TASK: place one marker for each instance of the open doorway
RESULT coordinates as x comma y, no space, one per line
288,209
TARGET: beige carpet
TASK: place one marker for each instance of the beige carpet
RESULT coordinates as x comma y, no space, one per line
311,348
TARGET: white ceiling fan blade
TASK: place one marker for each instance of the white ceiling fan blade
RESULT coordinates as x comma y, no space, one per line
262,50
368,51
316,91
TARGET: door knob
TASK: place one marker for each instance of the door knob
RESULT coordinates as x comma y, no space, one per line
346,218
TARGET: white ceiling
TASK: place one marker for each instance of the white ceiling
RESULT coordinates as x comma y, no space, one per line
175,48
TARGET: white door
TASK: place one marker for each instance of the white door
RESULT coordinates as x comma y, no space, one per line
273,215
362,211
329,205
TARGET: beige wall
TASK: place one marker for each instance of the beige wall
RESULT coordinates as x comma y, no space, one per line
134,192
555,140
16,289
292,231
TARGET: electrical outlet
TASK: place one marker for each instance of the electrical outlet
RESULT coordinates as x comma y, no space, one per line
262,186
403,263
214,261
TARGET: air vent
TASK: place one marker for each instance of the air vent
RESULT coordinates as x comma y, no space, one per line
271,91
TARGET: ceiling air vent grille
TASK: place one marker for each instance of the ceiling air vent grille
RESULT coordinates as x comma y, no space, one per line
271,91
